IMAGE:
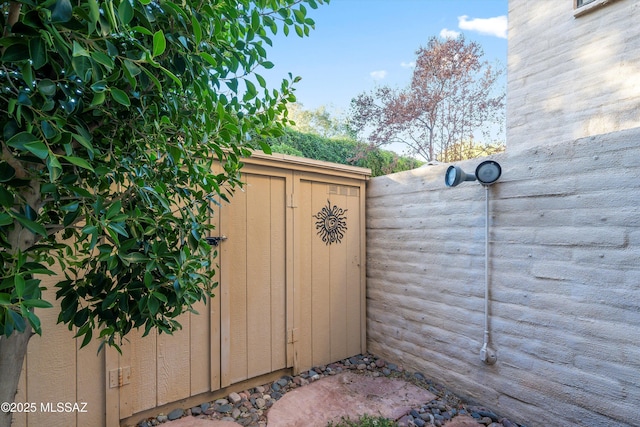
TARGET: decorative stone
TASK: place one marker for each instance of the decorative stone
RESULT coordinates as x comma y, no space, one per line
225,408
234,398
175,414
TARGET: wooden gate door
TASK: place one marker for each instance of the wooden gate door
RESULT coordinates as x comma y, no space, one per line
253,268
330,303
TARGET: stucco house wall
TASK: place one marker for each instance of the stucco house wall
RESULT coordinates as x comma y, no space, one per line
564,270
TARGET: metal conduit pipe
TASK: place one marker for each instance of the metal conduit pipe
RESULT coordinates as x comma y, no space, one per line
487,355
487,173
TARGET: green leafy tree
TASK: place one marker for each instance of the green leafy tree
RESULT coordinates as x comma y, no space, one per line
123,121
319,121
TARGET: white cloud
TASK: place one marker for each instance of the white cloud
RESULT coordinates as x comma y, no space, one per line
408,64
378,75
496,26
449,34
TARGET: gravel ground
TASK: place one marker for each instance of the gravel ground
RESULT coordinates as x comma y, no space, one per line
249,407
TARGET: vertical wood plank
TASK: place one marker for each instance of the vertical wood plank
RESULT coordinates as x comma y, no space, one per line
292,266
337,283
91,384
353,265
278,274
233,290
305,234
199,346
214,309
51,366
140,354
215,348
173,364
258,275
112,395
321,269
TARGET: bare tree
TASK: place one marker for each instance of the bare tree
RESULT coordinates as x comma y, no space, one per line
452,96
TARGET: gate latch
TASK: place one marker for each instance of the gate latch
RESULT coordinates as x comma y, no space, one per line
215,241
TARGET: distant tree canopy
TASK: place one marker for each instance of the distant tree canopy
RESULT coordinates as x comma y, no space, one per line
344,150
452,96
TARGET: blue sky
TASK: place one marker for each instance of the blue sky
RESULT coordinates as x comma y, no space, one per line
358,44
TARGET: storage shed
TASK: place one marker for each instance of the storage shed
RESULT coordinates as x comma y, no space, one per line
291,296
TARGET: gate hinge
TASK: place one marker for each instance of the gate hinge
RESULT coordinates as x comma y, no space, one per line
119,377
292,335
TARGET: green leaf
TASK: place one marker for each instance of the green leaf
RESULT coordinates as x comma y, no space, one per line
78,50
159,43
80,162
19,283
120,97
54,167
34,321
37,303
125,11
133,69
104,59
251,91
16,53
7,172
27,74
47,87
114,209
197,30
94,11
5,219
37,148
133,257
210,59
32,226
18,321
99,86
62,11
5,299
6,199
153,305
172,76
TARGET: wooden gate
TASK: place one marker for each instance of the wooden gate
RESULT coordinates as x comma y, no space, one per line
291,296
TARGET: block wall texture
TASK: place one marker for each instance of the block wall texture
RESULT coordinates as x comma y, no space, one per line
571,77
564,281
564,236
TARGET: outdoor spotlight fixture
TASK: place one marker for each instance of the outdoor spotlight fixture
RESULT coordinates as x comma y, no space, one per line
487,173
455,175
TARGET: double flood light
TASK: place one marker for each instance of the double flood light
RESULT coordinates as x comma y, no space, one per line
487,173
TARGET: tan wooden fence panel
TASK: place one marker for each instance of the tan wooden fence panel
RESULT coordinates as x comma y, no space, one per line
253,280
287,300
331,283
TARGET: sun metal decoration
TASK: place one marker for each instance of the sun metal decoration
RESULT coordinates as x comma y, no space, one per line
331,223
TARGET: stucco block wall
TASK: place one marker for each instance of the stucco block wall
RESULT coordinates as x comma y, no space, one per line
571,77
564,238
564,281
